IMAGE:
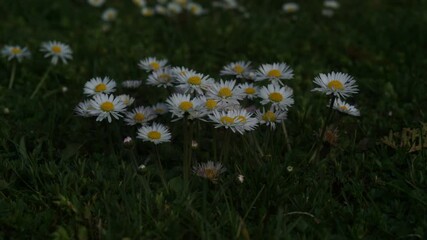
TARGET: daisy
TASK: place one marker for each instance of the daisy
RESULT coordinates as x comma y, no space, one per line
180,104
160,108
344,107
15,52
181,71
244,121
132,83
327,12
249,90
340,85
96,3
193,82
161,78
57,50
226,119
109,15
209,170
274,72
105,106
271,117
99,85
139,3
290,7
207,105
174,8
279,97
195,9
159,9
156,133
126,99
152,64
331,4
139,115
147,11
225,92
238,69
83,109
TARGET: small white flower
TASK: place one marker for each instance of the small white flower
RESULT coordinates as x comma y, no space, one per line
96,3
238,120
6,110
195,8
106,106
99,85
127,140
64,89
147,11
327,12
159,9
174,8
344,107
274,72
340,85
191,82
271,117
160,108
140,115
249,90
331,4
152,64
290,168
180,104
126,99
83,109
279,97
139,3
132,83
161,78
57,50
15,52
290,7
240,178
209,170
225,92
156,133
109,15
237,69
244,121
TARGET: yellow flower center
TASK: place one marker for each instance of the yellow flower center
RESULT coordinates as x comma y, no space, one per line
165,77
275,97
185,106
274,73
211,104
154,135
250,90
343,108
225,92
100,87
16,50
107,106
241,119
335,85
194,80
210,173
139,117
238,69
227,120
155,65
269,116
56,49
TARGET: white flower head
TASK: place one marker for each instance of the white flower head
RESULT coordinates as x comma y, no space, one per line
109,15
237,120
161,78
344,107
195,9
152,64
331,4
225,92
237,69
279,97
209,170
181,71
339,84
274,72
249,90
271,117
328,12
156,133
147,11
126,99
191,82
140,3
131,83
180,104
57,51
140,115
107,106
15,52
99,85
290,7
160,108
96,3
174,8
83,109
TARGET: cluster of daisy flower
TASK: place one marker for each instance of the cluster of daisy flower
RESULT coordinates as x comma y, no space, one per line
329,6
169,7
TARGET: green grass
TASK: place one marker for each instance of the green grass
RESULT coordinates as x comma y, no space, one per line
65,177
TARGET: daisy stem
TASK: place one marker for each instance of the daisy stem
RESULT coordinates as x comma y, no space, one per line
159,165
42,80
288,144
328,119
12,75
188,137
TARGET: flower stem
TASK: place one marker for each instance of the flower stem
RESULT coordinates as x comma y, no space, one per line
188,137
288,144
159,165
322,133
12,75
43,79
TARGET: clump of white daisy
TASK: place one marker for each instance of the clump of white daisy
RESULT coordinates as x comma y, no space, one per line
107,106
99,85
156,133
109,15
15,52
57,51
209,170
340,85
195,9
346,108
152,64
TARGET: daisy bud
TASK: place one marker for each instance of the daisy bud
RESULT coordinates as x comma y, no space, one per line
290,168
240,178
6,110
194,144
128,142
64,89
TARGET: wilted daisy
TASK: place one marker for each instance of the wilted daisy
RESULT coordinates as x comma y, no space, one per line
180,104
152,64
225,92
96,3
191,82
132,83
15,52
340,85
57,50
126,99
249,90
147,11
279,97
161,78
209,170
271,117
331,4
109,15
195,8
156,133
160,108
139,115
238,69
274,72
105,106
344,107
83,109
99,85
290,7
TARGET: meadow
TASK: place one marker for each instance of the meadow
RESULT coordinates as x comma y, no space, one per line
321,174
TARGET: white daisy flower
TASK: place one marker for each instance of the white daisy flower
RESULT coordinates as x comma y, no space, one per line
83,109
159,9
152,64
209,170
181,71
195,8
107,106
57,50
279,97
271,117
331,4
174,8
156,133
290,7
274,72
109,15
147,11
132,83
139,115
180,104
345,108
340,85
140,3
161,78
328,12
160,108
245,121
96,3
15,52
238,69
192,81
99,85
126,99
207,105
227,119
225,92
249,90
